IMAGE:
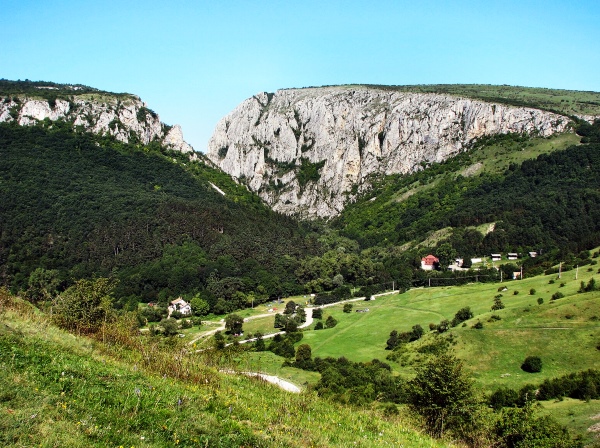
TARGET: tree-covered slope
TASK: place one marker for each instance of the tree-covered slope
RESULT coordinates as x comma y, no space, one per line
80,205
548,202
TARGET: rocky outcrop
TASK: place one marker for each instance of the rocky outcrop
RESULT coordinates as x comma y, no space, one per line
309,151
124,117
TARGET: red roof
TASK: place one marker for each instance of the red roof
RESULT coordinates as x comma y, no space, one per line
430,260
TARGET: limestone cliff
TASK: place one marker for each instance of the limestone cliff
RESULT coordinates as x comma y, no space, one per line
123,116
308,151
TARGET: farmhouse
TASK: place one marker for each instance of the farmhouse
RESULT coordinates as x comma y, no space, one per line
496,257
429,262
180,305
513,256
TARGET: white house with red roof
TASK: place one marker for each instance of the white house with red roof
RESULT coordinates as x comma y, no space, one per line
429,262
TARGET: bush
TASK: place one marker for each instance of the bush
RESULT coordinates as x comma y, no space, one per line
443,395
462,315
540,300
498,305
330,322
532,364
317,313
515,293
503,398
557,295
532,292
478,325
319,326
348,308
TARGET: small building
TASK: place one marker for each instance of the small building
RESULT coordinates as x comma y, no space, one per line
180,305
496,257
517,275
513,256
476,260
533,254
429,262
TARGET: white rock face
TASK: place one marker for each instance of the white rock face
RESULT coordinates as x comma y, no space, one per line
125,118
174,139
353,132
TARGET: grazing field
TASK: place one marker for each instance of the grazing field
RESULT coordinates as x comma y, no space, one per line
61,390
564,332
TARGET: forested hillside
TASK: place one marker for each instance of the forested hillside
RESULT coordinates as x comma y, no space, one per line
75,205
548,203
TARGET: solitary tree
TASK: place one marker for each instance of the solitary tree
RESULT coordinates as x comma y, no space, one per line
304,357
85,306
330,322
290,307
233,323
443,395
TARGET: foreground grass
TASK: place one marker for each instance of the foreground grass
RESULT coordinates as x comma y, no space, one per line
59,390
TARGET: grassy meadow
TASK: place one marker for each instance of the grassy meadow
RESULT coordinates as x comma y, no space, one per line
61,390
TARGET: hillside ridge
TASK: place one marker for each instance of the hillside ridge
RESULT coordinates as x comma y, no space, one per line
308,152
123,116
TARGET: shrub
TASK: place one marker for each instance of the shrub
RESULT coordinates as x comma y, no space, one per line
443,395
532,292
498,305
478,325
540,300
515,293
330,322
319,326
532,364
443,326
462,315
557,295
503,398
348,308
317,313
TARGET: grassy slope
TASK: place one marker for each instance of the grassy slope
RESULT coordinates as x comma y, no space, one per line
564,333
568,102
59,390
565,344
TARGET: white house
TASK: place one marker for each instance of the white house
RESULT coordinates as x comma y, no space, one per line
496,257
429,262
180,305
513,256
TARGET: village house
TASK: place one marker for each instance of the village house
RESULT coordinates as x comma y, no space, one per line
429,262
513,256
496,257
180,305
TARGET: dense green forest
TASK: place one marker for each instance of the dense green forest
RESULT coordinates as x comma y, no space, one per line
545,204
76,206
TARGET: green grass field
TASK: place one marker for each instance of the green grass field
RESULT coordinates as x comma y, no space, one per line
565,333
61,390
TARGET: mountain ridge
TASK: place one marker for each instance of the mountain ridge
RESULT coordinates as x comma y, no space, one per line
308,152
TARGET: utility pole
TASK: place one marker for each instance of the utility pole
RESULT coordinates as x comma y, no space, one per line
500,276
576,272
559,269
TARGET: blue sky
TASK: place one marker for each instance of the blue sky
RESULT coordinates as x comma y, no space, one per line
194,61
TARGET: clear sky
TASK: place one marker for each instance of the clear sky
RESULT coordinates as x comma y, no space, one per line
194,61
